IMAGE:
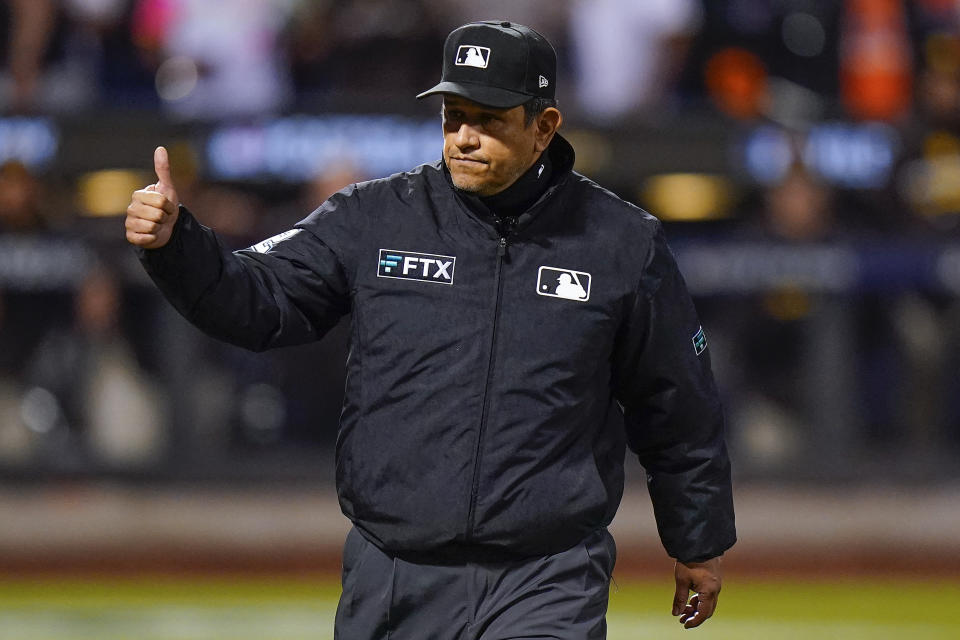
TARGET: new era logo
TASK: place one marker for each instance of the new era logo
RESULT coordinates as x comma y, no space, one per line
544,82
564,283
470,55
406,265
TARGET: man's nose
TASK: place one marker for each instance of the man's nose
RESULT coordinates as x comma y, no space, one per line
467,137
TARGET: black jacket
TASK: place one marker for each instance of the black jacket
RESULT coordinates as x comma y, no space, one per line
494,377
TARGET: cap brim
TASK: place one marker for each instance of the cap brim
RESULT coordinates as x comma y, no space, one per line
482,94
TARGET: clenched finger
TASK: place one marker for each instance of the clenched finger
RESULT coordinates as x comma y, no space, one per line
141,225
689,609
140,239
147,212
154,199
700,607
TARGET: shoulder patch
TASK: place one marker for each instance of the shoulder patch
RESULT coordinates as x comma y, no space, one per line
269,243
699,342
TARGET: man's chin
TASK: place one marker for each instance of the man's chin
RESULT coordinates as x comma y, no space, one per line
469,186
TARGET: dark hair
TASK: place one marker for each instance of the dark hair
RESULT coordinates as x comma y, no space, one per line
535,106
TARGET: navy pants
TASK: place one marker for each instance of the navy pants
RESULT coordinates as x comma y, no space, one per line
561,596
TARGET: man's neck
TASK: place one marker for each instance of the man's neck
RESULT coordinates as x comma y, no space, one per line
521,195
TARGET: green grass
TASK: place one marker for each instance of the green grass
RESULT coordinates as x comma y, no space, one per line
848,610
291,609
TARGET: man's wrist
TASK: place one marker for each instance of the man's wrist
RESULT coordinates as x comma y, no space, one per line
698,559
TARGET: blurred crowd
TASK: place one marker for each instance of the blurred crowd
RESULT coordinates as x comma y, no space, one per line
784,59
97,373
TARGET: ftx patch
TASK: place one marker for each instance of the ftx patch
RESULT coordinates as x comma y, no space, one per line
407,265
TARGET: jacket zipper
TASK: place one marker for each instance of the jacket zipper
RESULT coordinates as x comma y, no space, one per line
475,485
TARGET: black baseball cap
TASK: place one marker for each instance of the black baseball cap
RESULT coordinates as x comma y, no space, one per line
498,64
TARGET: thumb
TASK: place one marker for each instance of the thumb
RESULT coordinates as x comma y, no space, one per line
161,164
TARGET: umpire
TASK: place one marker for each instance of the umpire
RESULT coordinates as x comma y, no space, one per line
514,328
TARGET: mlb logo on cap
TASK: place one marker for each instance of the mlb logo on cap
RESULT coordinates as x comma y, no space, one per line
470,55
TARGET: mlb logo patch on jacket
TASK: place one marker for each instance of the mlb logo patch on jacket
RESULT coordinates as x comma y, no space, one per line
564,283
408,265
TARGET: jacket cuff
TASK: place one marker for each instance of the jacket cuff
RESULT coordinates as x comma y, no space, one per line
188,265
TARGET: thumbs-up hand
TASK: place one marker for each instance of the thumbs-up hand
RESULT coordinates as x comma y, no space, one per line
152,213
161,165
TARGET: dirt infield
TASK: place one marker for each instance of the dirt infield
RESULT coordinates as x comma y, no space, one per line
121,530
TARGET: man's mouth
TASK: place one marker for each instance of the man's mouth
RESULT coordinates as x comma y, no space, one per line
468,160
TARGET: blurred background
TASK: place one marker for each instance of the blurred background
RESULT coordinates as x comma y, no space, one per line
804,155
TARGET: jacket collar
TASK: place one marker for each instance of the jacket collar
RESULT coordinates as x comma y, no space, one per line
562,158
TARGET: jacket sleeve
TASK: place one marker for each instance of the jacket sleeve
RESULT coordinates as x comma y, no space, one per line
672,412
286,290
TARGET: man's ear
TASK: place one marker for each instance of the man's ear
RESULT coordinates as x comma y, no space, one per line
547,124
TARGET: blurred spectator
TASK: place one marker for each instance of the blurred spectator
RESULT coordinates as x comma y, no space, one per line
101,47
30,28
875,66
629,53
95,397
939,86
57,53
929,186
779,338
738,84
806,65
282,215
216,59
12,438
380,48
19,200
776,59
798,209
340,175
233,213
548,17
16,445
929,178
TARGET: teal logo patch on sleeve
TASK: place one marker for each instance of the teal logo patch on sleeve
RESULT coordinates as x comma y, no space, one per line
699,342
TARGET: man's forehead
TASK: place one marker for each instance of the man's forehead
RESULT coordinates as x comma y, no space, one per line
451,100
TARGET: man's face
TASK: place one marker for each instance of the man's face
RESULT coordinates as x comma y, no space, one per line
486,149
